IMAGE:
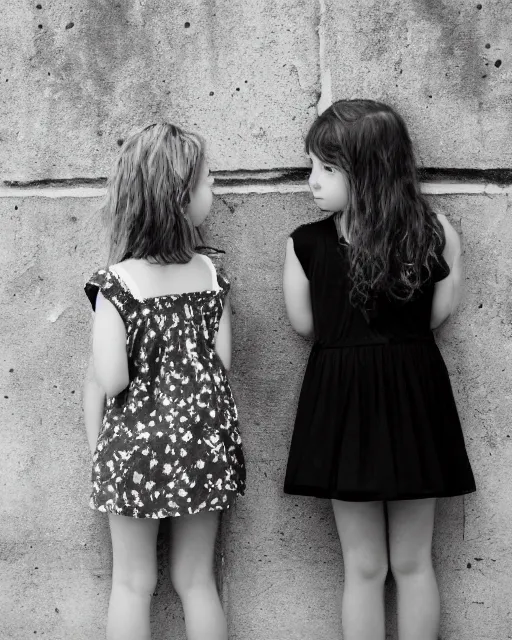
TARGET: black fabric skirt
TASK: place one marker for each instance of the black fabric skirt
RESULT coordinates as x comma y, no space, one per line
377,422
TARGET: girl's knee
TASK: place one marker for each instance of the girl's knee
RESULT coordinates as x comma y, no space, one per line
365,566
407,564
139,582
185,580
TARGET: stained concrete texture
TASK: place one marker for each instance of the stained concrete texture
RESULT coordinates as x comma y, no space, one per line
280,563
77,78
445,65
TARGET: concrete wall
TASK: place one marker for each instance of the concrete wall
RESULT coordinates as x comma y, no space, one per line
69,93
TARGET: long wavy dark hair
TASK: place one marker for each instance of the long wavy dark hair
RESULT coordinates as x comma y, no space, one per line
148,193
395,239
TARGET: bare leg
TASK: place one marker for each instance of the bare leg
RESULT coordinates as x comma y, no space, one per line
193,546
134,577
411,524
362,530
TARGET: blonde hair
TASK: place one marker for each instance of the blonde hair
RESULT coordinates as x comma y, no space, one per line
148,193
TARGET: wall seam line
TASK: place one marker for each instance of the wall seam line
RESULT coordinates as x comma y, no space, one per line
325,99
429,188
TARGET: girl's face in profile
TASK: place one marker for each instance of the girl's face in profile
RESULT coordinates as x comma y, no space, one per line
201,197
329,185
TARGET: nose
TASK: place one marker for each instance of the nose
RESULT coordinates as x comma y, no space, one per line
313,182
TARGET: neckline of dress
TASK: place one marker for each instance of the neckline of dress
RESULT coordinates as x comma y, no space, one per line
165,295
341,239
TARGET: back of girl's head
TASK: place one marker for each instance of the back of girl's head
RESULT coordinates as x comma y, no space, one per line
148,193
394,235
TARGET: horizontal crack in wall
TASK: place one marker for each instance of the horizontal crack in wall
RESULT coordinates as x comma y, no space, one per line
433,181
269,177
55,182
496,176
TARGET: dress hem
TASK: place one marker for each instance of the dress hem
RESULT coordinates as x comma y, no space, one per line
168,514
345,496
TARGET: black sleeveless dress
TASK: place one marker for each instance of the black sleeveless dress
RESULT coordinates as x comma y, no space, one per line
376,418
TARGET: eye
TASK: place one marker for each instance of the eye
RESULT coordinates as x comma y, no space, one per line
329,169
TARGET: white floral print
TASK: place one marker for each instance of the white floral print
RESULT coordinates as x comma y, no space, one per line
169,444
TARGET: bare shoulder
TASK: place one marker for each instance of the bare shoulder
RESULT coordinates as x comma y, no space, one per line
293,270
451,235
203,262
217,257
291,256
206,270
129,266
447,226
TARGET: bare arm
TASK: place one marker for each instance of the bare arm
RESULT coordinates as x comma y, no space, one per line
109,348
448,292
93,404
297,297
223,337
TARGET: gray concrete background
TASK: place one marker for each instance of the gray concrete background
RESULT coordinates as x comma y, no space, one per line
444,63
243,74
280,565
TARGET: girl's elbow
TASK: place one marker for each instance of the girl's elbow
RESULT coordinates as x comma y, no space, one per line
224,356
113,385
226,362
114,390
441,315
437,321
111,372
446,301
304,329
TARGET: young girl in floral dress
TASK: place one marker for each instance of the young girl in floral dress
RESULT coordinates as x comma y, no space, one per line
169,444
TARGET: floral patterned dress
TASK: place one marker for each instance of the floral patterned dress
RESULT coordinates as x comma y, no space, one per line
169,443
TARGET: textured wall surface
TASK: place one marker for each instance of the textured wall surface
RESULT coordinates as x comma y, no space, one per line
77,78
446,64
282,570
70,90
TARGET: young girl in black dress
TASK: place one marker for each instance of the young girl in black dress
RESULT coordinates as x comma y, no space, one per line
168,443
376,421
